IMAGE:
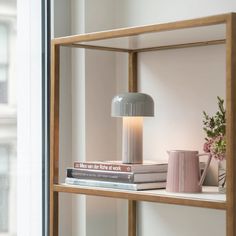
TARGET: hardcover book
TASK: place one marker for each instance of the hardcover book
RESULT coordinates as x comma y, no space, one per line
147,166
116,185
116,176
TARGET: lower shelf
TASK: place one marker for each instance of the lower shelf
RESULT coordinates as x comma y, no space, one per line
209,198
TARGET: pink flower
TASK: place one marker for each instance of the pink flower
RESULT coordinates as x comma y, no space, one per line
207,145
216,147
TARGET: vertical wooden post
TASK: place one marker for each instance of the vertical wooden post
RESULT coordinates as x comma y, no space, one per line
133,81
54,137
133,87
132,218
231,123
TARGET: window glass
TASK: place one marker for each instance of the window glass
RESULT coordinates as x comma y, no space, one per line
4,159
3,62
4,190
8,134
3,43
3,73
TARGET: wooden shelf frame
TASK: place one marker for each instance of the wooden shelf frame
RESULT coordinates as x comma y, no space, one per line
78,41
133,31
147,196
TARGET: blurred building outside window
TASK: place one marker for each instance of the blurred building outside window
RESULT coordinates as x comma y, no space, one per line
8,124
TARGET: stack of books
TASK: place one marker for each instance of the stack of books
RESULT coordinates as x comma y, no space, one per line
115,174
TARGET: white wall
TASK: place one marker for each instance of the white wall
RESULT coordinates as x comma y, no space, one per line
85,124
182,83
100,127
141,12
78,112
61,27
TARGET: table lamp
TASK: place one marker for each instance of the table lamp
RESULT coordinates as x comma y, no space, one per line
132,107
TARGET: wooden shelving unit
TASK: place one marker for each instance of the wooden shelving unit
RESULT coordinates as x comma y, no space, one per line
219,29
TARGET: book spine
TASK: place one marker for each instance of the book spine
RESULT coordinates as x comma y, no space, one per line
101,166
100,175
102,184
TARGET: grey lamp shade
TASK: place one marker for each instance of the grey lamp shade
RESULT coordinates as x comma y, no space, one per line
132,104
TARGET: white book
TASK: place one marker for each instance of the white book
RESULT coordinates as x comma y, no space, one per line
116,185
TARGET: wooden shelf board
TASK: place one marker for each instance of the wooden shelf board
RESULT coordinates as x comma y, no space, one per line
209,198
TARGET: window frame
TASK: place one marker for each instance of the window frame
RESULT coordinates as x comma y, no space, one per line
46,39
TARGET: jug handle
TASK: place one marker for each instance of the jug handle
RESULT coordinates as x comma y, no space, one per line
206,168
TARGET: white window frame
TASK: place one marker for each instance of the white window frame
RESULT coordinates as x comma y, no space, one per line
29,118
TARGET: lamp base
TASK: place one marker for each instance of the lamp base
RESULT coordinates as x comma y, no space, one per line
132,142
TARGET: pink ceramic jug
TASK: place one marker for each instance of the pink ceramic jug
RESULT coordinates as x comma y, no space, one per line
184,171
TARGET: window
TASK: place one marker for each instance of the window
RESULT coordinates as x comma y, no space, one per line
4,190
3,62
20,118
8,117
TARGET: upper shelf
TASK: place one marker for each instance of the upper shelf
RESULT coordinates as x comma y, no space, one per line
196,32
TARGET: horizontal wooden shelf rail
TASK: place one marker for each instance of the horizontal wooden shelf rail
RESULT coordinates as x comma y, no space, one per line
204,21
139,196
148,49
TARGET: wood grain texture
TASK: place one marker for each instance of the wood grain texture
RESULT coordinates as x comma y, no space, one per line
204,21
132,87
92,47
148,49
133,79
231,124
180,46
132,218
54,137
140,196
